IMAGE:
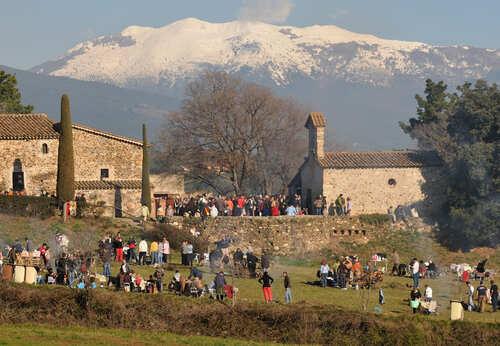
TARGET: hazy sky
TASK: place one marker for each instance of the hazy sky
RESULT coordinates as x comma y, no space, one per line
33,31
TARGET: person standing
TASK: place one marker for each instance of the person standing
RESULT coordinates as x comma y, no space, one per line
323,273
494,295
143,250
189,254
119,248
266,280
415,270
470,294
220,282
131,251
348,207
184,253
288,288
481,296
165,250
153,250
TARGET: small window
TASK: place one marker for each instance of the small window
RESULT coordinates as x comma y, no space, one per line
104,173
392,182
45,148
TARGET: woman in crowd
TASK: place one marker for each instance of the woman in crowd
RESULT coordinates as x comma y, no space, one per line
266,280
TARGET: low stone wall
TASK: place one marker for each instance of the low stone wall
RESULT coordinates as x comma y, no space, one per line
282,235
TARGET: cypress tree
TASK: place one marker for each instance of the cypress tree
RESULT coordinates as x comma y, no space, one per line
146,187
65,155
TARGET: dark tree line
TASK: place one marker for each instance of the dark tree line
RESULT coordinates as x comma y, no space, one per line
463,128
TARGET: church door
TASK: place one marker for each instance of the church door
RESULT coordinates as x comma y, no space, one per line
18,176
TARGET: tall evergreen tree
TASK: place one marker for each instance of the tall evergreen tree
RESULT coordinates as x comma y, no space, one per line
65,157
463,129
10,97
146,187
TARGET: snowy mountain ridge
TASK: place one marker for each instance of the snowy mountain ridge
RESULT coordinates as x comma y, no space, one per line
163,57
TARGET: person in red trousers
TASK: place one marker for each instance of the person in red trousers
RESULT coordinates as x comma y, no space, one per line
266,280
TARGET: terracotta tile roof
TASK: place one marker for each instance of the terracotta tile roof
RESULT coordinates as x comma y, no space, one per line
380,159
317,119
27,126
86,185
39,126
107,134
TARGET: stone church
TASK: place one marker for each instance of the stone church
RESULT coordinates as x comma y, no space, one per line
108,167
373,180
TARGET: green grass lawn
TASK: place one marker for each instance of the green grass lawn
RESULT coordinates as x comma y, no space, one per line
25,334
396,293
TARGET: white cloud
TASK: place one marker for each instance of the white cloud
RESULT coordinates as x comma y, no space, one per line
269,11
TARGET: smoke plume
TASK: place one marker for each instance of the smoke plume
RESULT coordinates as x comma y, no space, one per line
269,11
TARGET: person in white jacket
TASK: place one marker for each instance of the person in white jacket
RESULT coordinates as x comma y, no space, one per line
143,251
165,250
428,293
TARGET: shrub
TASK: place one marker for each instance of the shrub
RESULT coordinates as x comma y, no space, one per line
374,219
176,236
28,206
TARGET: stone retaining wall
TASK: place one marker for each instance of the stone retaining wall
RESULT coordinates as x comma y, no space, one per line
283,235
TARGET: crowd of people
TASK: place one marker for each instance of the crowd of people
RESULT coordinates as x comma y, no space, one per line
80,270
205,206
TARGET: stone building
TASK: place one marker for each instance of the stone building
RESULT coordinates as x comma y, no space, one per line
108,167
374,180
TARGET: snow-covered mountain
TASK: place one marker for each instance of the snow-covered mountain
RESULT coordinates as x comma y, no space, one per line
161,58
364,84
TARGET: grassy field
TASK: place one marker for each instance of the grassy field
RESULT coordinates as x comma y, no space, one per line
408,244
395,290
32,334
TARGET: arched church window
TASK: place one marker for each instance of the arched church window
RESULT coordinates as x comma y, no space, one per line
391,182
18,166
45,148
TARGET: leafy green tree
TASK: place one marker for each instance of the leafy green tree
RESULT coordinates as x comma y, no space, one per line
463,129
10,97
65,156
146,186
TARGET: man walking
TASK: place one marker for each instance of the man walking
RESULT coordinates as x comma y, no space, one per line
288,288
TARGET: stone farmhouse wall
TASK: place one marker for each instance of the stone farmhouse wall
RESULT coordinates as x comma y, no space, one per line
283,235
370,191
311,176
40,170
94,152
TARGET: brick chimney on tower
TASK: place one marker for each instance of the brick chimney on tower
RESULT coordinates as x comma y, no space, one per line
316,124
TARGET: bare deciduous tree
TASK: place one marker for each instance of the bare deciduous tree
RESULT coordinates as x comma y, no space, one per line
233,136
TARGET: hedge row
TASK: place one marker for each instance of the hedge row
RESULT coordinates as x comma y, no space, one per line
28,205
